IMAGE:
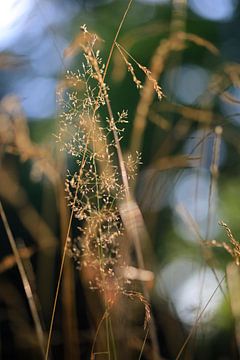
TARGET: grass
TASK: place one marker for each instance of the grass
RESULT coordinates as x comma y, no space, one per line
106,238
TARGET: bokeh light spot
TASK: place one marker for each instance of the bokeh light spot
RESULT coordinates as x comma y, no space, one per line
37,96
13,14
222,10
190,287
187,83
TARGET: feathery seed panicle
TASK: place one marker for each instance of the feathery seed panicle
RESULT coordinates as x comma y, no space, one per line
93,192
146,71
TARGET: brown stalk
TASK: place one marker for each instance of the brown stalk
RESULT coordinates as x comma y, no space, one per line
147,94
70,327
62,263
200,115
9,261
214,174
176,42
28,216
25,281
174,162
129,39
131,220
77,188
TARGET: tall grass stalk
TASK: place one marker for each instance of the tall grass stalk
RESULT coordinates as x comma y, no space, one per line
25,281
72,211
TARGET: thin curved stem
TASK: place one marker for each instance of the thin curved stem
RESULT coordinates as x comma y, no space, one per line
25,281
75,197
198,319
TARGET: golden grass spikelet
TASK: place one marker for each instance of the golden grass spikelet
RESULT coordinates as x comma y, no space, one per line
137,295
156,87
146,71
132,164
233,250
129,39
135,79
83,41
130,68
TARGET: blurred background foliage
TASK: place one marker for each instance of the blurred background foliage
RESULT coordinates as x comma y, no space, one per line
187,182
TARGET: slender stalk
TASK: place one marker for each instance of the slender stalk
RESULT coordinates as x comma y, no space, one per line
143,345
70,327
77,188
214,176
62,264
96,333
116,37
129,202
198,319
108,342
113,341
25,281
